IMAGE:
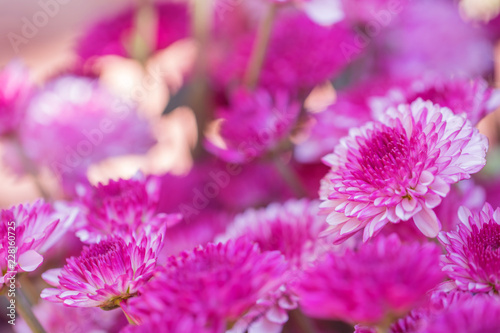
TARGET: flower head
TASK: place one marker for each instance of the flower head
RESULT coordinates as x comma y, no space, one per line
383,279
399,168
94,123
291,64
122,208
473,251
292,228
464,193
32,229
412,43
350,109
215,285
473,97
254,123
16,89
478,314
110,37
104,274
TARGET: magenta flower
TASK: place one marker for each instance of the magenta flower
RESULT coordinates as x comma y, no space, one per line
465,193
291,64
349,110
363,11
383,279
254,123
473,255
122,207
292,228
104,274
214,285
32,229
399,168
199,230
412,43
111,36
94,123
479,314
461,95
14,95
418,318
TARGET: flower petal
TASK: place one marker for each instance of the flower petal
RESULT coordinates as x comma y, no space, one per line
427,222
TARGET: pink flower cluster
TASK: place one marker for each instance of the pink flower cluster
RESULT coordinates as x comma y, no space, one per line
318,166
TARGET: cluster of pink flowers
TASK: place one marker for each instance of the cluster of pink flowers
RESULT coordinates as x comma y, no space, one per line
318,166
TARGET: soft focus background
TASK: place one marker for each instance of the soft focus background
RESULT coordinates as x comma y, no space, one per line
52,50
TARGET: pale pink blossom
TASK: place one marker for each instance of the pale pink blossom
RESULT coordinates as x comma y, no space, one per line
104,274
399,168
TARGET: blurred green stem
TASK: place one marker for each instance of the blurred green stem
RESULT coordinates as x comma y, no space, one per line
31,291
142,42
129,317
290,177
260,48
29,166
200,97
302,322
23,307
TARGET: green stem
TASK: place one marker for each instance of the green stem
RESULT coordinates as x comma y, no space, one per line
23,307
260,48
301,321
200,97
290,177
31,291
142,42
29,166
130,320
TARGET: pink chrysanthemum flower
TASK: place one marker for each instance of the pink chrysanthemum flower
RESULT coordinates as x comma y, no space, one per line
465,193
121,208
363,11
399,168
291,64
479,314
214,285
15,91
94,123
199,230
254,123
33,229
383,279
418,318
111,36
104,274
473,255
412,43
349,110
473,97
292,228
